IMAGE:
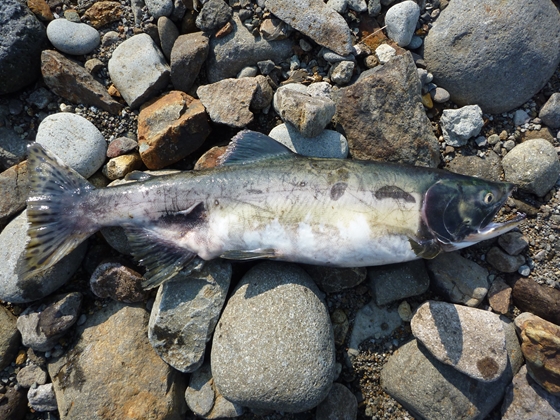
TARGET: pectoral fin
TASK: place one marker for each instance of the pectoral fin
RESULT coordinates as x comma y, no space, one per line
428,249
247,255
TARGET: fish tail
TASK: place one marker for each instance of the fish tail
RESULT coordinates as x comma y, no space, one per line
57,224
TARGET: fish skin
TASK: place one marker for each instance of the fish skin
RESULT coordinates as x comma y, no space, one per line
272,204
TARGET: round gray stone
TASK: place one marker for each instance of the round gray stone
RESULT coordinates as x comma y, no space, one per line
497,54
159,8
340,404
273,348
401,22
72,38
75,140
42,398
550,112
13,288
459,125
532,165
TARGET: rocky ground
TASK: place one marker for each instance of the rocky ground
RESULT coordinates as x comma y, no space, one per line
382,71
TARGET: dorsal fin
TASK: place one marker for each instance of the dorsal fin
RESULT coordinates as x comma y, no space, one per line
250,147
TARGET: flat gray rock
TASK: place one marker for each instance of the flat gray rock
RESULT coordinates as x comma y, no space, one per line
168,34
75,140
112,362
138,69
430,389
393,282
22,37
158,8
527,400
459,125
340,404
72,38
533,165
550,112
458,279
187,57
328,144
13,289
315,19
228,55
9,337
471,340
383,118
13,149
213,15
285,365
373,322
185,313
401,22
31,374
489,56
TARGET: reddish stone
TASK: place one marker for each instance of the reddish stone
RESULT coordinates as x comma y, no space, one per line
170,128
210,158
103,13
544,301
499,296
41,9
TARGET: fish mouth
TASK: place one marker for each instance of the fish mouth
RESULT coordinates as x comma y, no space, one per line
492,229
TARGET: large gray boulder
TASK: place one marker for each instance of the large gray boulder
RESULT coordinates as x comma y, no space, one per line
22,38
496,54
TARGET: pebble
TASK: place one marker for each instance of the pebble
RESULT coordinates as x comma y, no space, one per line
471,340
543,301
328,144
451,394
440,95
533,165
41,327
158,8
72,38
339,404
205,400
213,15
94,65
187,57
22,40
513,242
468,288
13,149
73,82
41,10
401,22
385,53
170,128
372,322
335,279
316,20
403,133
526,400
309,115
168,34
333,57
9,337
488,167
75,140
341,72
520,117
138,69
118,282
394,282
459,125
550,112
121,146
14,187
13,238
341,325
540,344
504,262
499,296
102,13
118,167
111,361
251,355
42,398
415,43
185,313
266,66
491,65
31,374
228,101
249,71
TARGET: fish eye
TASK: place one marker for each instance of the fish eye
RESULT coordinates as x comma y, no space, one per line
488,198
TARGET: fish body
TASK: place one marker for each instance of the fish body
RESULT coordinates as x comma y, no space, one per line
265,202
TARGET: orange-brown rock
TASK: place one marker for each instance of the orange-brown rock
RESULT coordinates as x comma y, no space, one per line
210,158
41,9
540,344
103,13
170,128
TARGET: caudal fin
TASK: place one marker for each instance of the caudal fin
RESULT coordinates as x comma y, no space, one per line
55,226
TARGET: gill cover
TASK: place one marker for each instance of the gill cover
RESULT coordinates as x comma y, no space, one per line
455,208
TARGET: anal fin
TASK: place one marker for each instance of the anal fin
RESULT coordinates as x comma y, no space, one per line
247,255
162,258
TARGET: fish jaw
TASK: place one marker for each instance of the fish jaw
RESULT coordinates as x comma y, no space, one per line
490,231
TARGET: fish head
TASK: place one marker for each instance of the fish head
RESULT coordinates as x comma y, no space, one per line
459,211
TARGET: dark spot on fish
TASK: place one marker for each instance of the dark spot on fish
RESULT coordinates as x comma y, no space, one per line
337,190
302,184
488,367
390,191
251,191
184,222
216,203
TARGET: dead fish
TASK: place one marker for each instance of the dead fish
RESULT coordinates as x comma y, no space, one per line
263,201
